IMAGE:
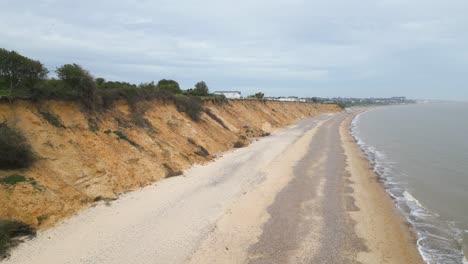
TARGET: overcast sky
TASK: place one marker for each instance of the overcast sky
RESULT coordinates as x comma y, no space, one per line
365,48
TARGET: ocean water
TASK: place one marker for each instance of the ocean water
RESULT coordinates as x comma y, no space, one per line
420,153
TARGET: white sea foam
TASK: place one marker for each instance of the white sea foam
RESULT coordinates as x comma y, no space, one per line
410,198
438,241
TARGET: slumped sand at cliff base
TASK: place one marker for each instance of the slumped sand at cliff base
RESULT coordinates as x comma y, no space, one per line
303,195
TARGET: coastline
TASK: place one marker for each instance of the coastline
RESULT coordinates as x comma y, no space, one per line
306,194
388,236
439,239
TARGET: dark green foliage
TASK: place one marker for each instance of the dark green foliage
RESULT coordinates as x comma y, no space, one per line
201,89
15,152
103,84
18,72
215,118
52,119
259,96
54,89
149,85
122,136
169,86
9,230
100,82
77,79
219,99
140,121
191,106
13,179
107,97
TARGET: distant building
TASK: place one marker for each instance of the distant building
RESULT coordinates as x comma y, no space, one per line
230,94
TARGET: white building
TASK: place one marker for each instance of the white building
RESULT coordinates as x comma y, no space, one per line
230,94
288,99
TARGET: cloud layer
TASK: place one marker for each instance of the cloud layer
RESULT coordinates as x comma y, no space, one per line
328,48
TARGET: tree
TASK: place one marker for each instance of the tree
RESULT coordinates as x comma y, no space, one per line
79,80
17,71
259,95
201,89
100,81
148,85
169,86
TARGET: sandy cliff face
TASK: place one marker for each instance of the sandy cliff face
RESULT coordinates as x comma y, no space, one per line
92,157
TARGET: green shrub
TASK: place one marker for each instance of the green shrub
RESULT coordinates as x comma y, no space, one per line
52,119
201,89
140,121
9,230
121,135
13,179
191,106
15,152
169,86
133,95
78,79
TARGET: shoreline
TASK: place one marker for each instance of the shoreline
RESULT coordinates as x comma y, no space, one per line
239,209
390,238
423,229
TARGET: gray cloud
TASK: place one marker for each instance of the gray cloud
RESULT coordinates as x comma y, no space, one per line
329,48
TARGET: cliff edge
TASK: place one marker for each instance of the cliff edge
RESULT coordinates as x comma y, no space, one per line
83,158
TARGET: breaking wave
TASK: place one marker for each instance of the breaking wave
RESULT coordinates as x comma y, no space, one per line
438,241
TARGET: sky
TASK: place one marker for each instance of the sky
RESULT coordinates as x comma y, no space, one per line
365,48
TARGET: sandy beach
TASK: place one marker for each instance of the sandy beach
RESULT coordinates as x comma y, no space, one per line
305,194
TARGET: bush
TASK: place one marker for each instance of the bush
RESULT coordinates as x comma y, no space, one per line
121,135
192,106
169,86
239,144
107,97
13,179
78,79
52,119
9,230
201,89
15,152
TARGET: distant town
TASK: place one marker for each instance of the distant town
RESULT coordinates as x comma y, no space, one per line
346,101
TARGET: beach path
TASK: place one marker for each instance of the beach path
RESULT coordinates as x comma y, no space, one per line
302,195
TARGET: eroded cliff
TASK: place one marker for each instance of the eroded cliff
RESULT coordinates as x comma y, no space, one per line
86,157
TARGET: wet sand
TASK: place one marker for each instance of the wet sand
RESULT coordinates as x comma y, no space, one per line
303,195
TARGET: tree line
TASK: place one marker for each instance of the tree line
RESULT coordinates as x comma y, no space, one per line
22,77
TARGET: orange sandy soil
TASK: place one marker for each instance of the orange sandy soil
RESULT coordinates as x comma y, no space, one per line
78,164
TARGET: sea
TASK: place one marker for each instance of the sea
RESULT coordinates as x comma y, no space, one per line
420,153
